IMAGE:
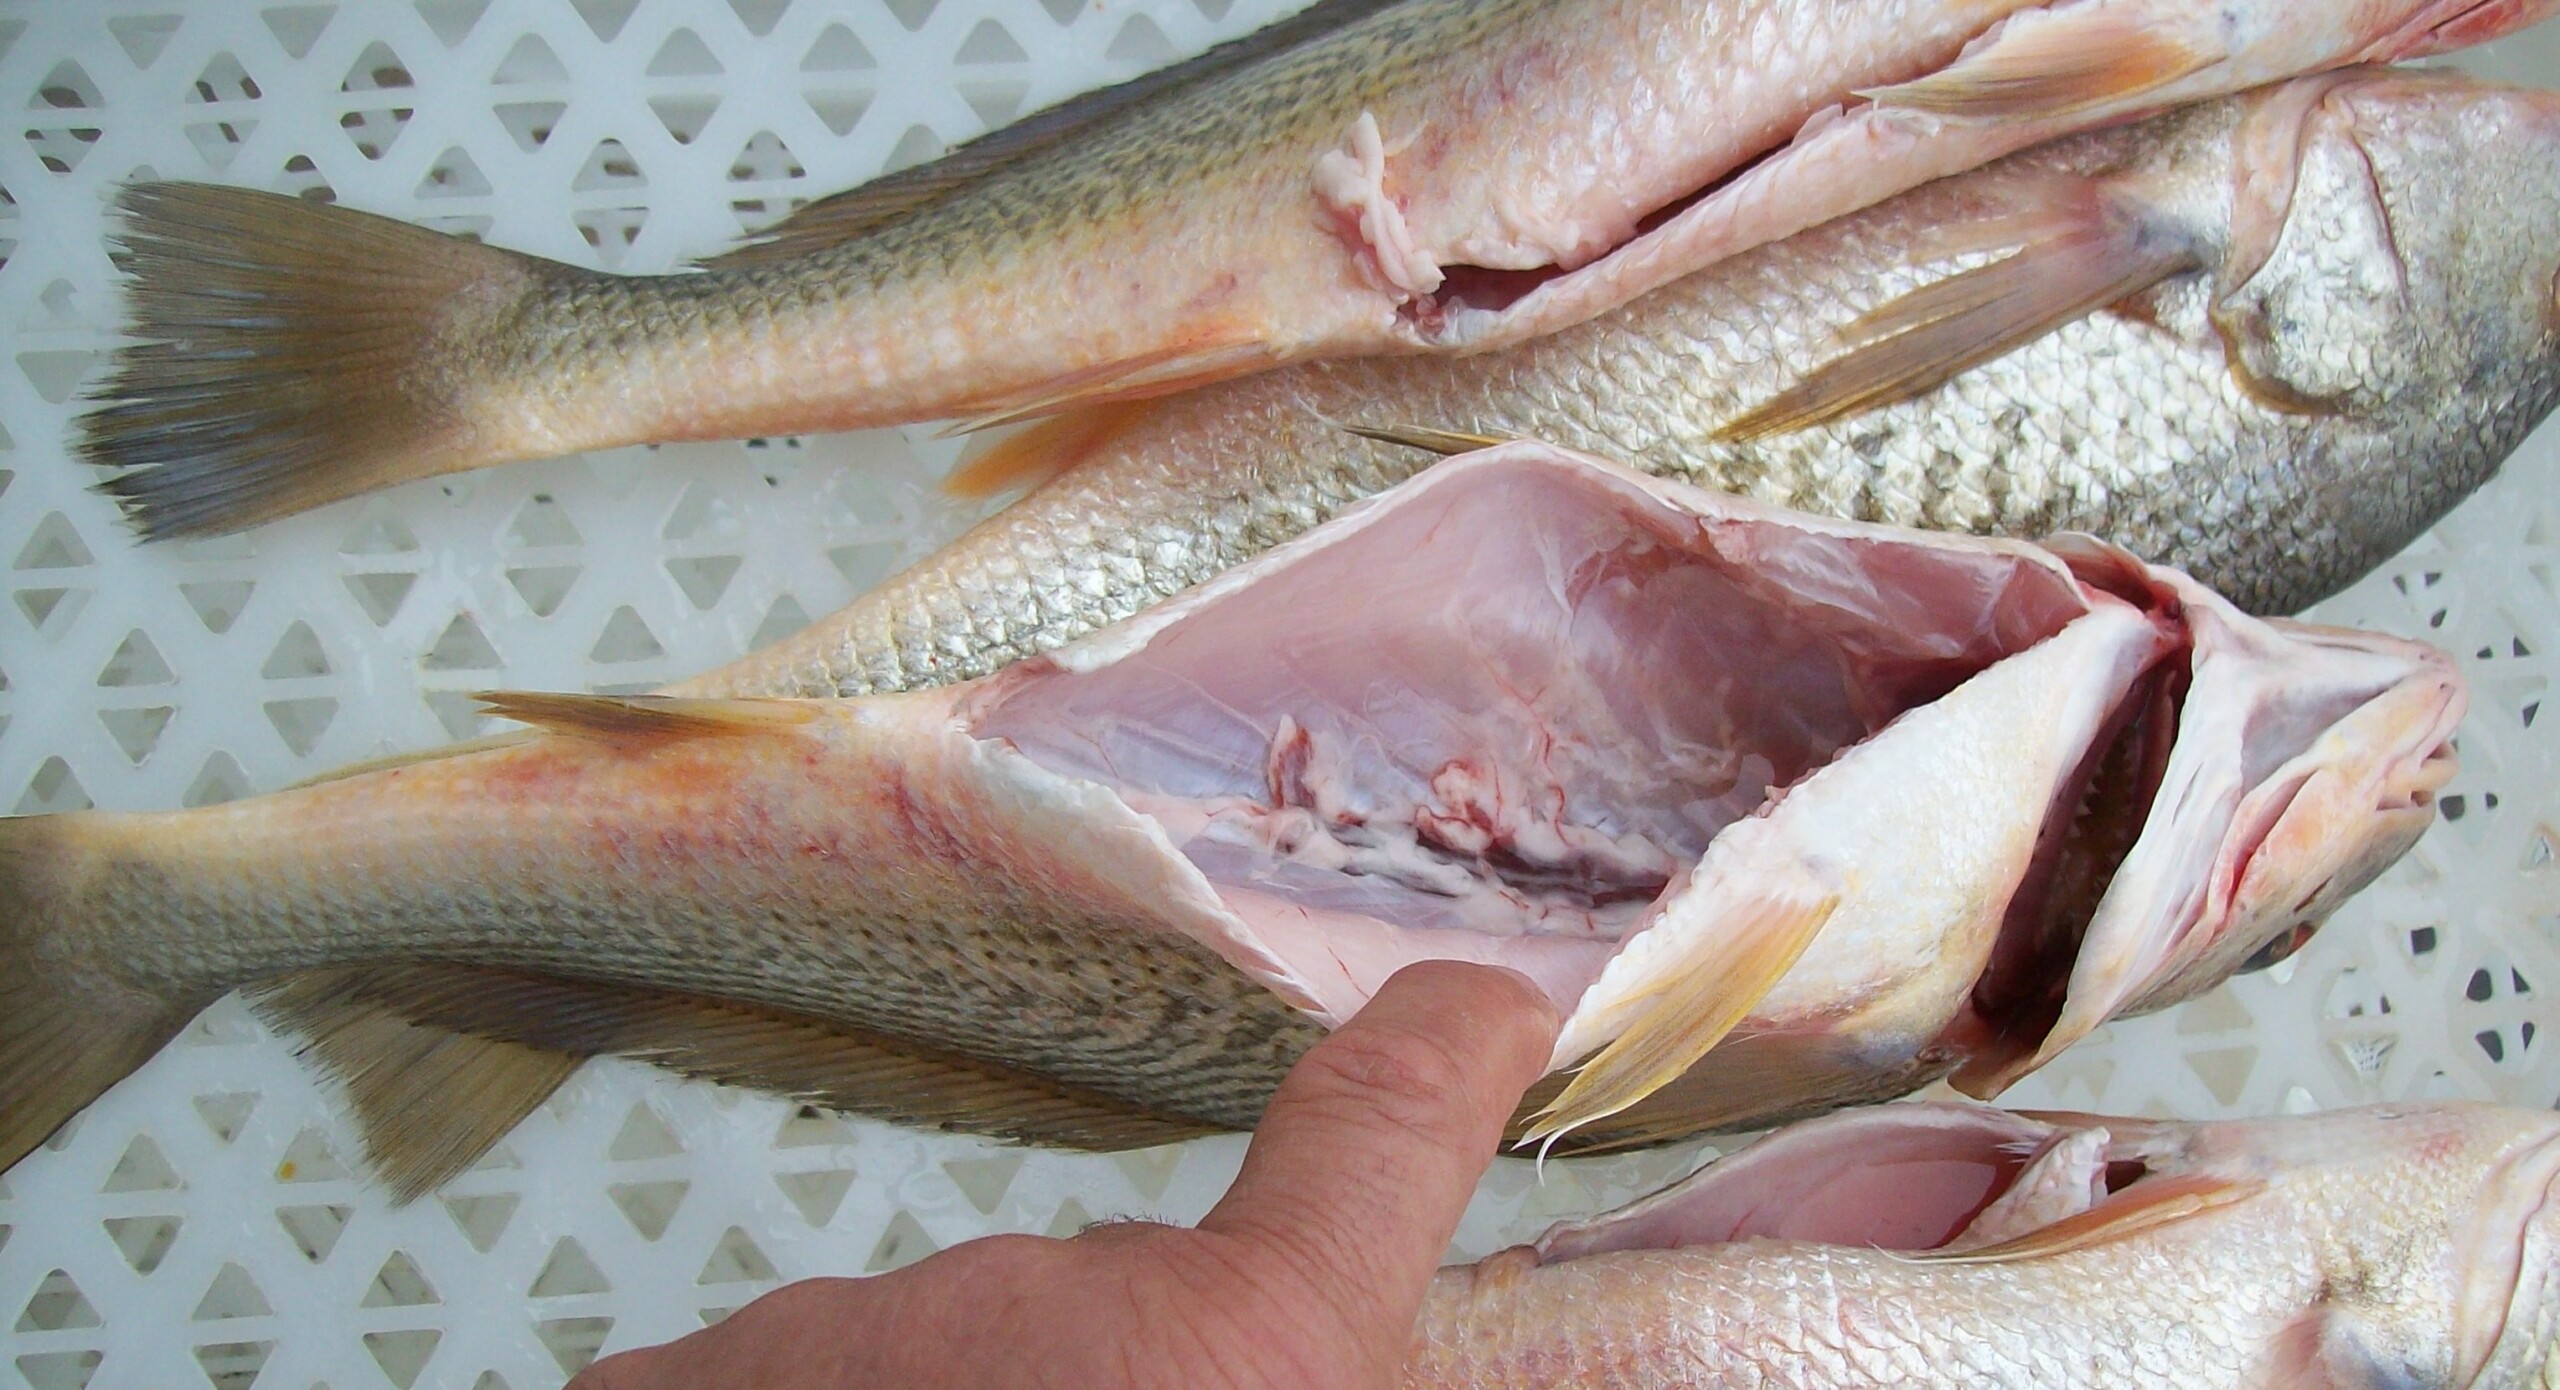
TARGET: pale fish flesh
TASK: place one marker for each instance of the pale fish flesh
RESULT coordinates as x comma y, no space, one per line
2405,276
2414,1246
1434,175
1886,805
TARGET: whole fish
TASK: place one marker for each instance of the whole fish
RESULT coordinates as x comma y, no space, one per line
1432,175
2414,1246
2357,319
1890,804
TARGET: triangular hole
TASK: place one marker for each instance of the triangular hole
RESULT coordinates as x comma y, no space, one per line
544,587
568,1272
816,1195
297,655
232,1294
684,54
143,1168
314,1230
136,662
142,36
310,1158
625,639
220,781
704,578
454,175
984,1180
297,27
837,50
643,1135
136,731
144,1241
218,602
57,1304
399,1284
451,20
381,594
482,1219
783,619
649,1206
53,789
531,60
901,1245
462,647
227,1113
301,723
54,546
403,1355
737,1260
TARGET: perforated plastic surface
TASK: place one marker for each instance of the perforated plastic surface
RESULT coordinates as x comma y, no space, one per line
203,1220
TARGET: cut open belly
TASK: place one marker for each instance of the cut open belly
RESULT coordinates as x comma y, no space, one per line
1695,766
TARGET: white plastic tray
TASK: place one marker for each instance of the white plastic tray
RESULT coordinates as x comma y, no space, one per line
203,1220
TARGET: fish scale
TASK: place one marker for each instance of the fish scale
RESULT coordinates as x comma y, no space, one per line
2129,424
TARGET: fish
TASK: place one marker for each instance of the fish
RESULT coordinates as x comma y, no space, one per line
1685,760
2405,276
1418,177
1940,1244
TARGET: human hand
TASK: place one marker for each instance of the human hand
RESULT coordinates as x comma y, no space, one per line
1308,1273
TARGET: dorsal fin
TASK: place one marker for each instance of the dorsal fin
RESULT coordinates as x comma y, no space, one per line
645,718
844,216
494,1035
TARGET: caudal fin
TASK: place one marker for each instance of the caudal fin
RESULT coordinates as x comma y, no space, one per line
292,354
66,1035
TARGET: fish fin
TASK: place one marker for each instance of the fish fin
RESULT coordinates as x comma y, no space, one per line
1197,361
288,355
2052,62
1427,439
738,1044
428,1101
845,216
1043,451
1692,1011
1750,1081
63,1039
1917,343
2145,1206
645,718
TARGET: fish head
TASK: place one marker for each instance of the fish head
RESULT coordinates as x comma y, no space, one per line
2395,252
2305,761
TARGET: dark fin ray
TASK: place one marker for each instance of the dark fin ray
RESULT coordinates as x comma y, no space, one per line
1919,342
1425,438
1747,1082
845,216
645,718
428,1101
63,1040
2055,63
292,354
1044,450
824,1063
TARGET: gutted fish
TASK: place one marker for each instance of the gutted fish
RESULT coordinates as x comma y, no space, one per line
1413,177
1953,1245
2386,244
1879,805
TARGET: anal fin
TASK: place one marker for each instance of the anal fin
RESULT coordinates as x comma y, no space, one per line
2145,1206
646,718
2095,255
428,1101
1044,450
441,1060
1692,1010
2057,61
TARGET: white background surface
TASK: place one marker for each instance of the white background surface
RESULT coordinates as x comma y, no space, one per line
204,1221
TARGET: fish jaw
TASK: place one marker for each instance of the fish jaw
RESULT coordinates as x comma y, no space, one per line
2306,762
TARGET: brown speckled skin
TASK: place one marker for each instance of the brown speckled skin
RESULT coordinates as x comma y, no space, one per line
2363,1224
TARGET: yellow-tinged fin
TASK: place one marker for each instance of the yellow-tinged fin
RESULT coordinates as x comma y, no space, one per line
428,1101
1427,439
646,718
530,1017
2146,1206
1693,1009
1753,1082
1043,450
2096,255
2050,63
292,354
65,1035
844,216
1201,360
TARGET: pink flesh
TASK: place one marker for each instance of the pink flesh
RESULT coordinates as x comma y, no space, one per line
1894,1178
1501,719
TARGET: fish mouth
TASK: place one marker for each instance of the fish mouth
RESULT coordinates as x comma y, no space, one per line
1504,717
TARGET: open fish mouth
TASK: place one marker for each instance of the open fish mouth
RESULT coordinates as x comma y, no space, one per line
1697,765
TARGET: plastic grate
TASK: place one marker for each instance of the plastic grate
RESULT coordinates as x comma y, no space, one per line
204,1222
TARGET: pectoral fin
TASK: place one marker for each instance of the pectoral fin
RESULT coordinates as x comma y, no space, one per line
2050,63
2145,1206
2093,257
1427,439
1695,1006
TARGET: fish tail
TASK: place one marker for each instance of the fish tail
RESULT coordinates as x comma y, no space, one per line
292,354
66,1034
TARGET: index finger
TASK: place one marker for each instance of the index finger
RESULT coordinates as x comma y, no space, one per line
1368,1152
